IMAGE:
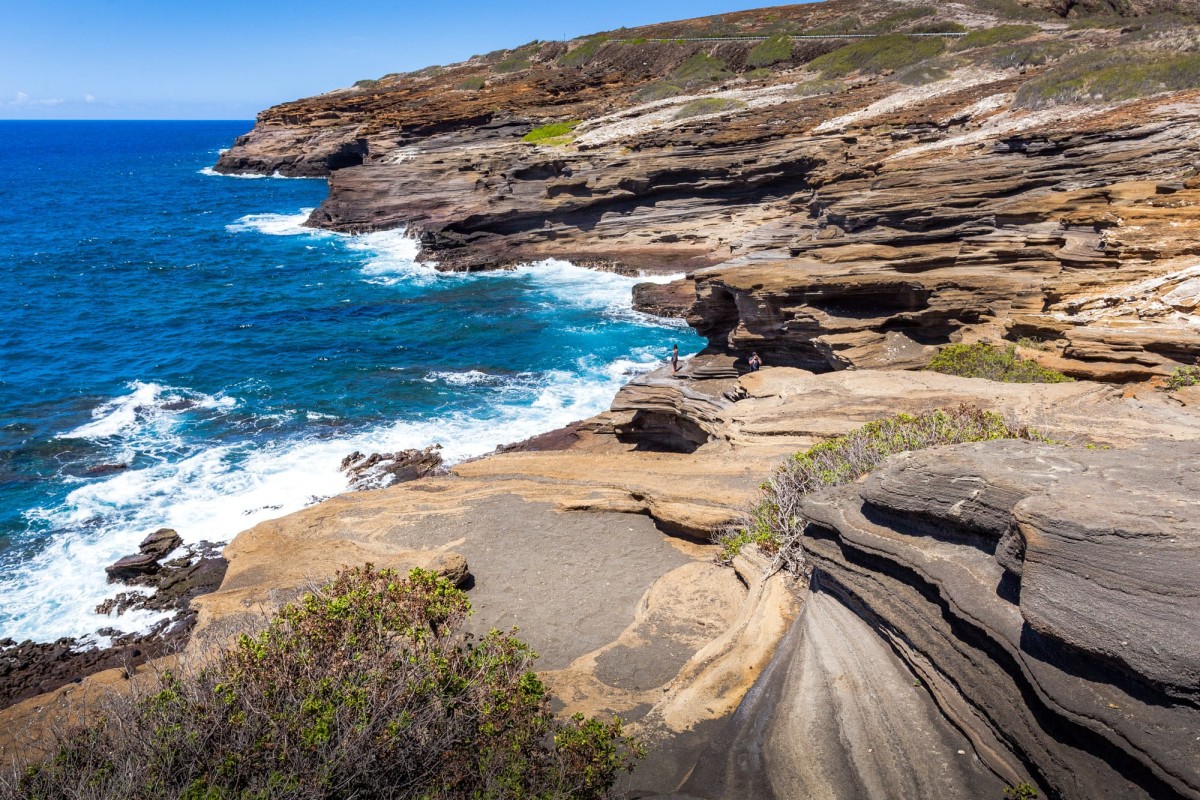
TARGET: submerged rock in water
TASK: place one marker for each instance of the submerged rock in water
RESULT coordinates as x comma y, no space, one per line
383,469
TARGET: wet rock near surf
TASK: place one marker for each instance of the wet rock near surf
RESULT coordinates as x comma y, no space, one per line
29,668
384,469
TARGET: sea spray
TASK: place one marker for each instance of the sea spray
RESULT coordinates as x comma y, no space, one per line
227,357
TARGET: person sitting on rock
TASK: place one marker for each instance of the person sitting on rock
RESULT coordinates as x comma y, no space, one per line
755,362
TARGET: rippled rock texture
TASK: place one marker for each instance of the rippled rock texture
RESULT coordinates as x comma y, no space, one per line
1046,596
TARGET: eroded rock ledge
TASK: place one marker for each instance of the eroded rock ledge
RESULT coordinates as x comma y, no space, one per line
1047,596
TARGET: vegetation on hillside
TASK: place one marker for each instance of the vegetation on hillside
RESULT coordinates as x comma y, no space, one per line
1183,377
986,37
993,363
770,51
878,54
366,688
1110,75
700,69
707,105
553,133
775,524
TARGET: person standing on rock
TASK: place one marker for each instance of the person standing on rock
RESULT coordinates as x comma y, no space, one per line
674,358
755,362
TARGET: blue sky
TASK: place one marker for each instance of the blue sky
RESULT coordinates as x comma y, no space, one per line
180,59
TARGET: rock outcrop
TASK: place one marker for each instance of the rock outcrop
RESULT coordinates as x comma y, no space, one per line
1045,595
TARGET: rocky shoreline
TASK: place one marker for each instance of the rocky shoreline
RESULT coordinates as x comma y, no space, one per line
1002,615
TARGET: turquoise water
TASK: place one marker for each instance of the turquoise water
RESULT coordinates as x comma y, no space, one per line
184,324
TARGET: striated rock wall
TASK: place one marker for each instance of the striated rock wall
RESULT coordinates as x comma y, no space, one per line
1046,596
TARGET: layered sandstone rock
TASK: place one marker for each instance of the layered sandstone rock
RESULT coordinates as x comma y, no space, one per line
1045,595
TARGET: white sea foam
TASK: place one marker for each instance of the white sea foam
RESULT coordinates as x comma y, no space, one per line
222,490
219,491
148,408
471,377
276,175
276,224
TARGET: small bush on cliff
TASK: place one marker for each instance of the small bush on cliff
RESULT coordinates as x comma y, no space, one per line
698,70
993,363
770,51
553,131
997,35
584,53
1107,76
707,105
775,523
364,689
876,55
471,84
1183,377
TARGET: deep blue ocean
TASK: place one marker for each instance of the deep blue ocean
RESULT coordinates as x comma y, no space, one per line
185,325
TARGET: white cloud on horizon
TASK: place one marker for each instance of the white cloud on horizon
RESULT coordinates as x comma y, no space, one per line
23,99
89,98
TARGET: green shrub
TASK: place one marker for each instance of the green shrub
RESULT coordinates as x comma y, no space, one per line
657,91
1183,377
992,363
818,87
367,83
898,19
775,523
366,688
471,84
1109,76
708,105
770,51
1012,9
877,54
997,35
1022,791
514,63
698,70
938,26
1027,54
584,53
923,73
849,23
555,130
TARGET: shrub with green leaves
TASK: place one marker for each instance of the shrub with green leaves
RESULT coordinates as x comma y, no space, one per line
514,63
367,83
1105,76
584,52
657,91
700,69
877,54
775,524
1183,377
818,86
993,363
770,51
366,688
553,131
1027,54
708,105
993,36
471,84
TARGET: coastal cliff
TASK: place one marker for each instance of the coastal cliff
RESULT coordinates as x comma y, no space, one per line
850,188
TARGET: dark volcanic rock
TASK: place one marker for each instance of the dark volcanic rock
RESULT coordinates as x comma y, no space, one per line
132,567
1047,596
160,543
383,469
